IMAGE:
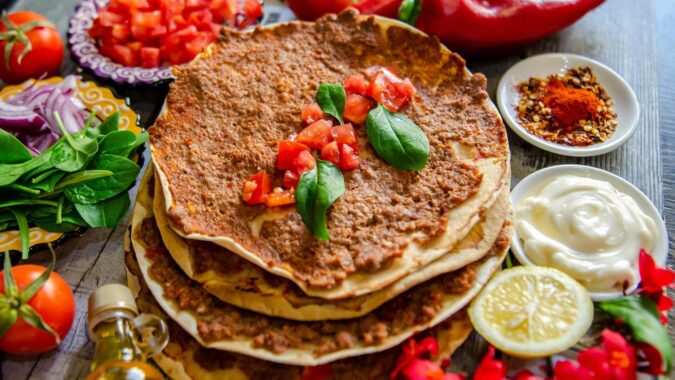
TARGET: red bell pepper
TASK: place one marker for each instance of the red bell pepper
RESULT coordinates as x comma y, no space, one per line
489,27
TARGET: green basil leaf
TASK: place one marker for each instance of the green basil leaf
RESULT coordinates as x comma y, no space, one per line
396,139
106,213
642,317
13,150
331,98
316,191
124,172
110,124
409,11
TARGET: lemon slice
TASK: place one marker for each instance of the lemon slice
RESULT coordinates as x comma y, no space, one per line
532,311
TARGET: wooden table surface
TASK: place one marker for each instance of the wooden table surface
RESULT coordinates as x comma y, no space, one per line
635,38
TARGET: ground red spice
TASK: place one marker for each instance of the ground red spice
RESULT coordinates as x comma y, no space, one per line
569,104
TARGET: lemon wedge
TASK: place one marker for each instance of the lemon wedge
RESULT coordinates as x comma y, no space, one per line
532,311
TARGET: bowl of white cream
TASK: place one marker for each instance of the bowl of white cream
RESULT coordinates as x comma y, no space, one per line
588,223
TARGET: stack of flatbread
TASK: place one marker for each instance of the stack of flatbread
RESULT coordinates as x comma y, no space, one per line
247,290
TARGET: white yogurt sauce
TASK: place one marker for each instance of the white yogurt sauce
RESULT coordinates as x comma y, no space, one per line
587,229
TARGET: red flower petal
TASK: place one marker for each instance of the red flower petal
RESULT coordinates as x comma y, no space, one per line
595,360
526,374
490,368
428,344
653,357
568,370
420,369
663,305
653,279
621,355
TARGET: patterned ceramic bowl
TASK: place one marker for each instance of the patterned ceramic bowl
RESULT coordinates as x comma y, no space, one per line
85,51
93,97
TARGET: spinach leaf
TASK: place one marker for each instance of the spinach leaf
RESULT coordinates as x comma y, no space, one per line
22,188
331,98
316,191
83,176
106,213
13,150
124,172
409,11
110,124
74,151
24,231
11,172
396,139
122,143
642,317
69,222
116,142
48,180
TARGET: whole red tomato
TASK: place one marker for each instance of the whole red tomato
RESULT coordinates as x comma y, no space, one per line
313,9
54,303
45,53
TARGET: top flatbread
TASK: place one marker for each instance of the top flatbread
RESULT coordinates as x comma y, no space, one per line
226,112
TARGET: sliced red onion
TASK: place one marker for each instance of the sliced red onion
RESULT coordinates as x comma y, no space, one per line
30,114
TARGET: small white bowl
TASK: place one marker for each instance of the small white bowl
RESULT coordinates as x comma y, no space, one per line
535,181
625,102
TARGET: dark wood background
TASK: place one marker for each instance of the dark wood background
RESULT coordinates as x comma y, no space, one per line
635,38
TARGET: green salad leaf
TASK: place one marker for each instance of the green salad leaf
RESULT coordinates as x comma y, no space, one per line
13,150
331,98
396,139
124,172
316,191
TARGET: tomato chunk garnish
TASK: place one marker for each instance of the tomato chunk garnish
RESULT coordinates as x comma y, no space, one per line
349,159
280,197
291,178
356,84
288,152
345,134
356,108
388,89
316,135
256,188
304,163
312,113
331,153
149,57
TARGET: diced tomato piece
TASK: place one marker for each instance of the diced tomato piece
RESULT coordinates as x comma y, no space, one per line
121,32
304,163
356,108
252,11
280,197
345,134
348,158
356,84
192,4
110,19
174,6
133,4
201,19
256,188
316,135
389,90
180,36
224,10
123,55
291,179
331,153
176,22
97,30
198,43
312,113
150,57
288,152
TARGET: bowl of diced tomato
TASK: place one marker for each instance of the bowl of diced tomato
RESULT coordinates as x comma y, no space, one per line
138,41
